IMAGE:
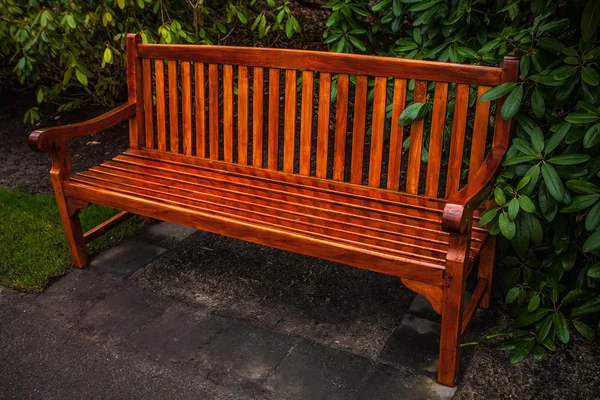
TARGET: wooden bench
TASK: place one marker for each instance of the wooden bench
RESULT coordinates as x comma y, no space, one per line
232,146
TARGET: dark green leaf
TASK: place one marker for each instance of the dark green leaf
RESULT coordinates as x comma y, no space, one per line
562,327
589,19
582,187
513,208
581,118
521,351
592,220
410,113
557,137
592,136
524,147
549,344
526,204
537,140
592,243
512,103
594,271
519,160
544,329
499,196
538,104
553,182
523,182
512,294
569,159
573,295
487,216
590,76
498,91
588,308
507,226
539,352
533,303
580,203
585,330
536,232
526,318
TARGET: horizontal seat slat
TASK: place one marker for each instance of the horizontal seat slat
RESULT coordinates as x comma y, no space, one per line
291,223
306,60
373,232
259,233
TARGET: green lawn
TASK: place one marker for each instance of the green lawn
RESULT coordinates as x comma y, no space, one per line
33,248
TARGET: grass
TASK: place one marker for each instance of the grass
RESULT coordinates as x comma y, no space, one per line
33,248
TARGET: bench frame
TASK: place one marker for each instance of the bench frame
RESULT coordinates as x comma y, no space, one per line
445,292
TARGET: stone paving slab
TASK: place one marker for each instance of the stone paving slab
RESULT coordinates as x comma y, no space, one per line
314,371
122,260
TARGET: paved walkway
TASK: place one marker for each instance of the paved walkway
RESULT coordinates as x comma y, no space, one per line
103,332
93,333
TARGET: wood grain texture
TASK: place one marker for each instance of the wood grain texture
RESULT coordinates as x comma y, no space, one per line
416,142
257,116
135,92
480,128
161,110
186,108
148,106
377,132
396,135
358,130
173,107
436,139
323,124
341,122
242,129
213,111
306,60
43,139
228,113
510,72
273,128
106,226
289,126
457,142
200,98
306,121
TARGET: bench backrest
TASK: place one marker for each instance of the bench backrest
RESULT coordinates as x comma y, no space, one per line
269,108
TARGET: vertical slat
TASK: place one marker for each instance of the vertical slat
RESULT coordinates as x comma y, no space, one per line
273,135
416,142
135,92
173,108
149,123
341,122
213,110
186,107
457,142
228,113
242,130
200,107
510,72
257,116
436,139
377,132
161,121
323,123
289,128
358,130
396,135
306,121
480,128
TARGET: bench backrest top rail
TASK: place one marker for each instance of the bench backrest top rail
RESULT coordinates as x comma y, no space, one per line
307,60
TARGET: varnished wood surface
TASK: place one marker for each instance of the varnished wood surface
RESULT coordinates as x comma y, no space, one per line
306,60
42,139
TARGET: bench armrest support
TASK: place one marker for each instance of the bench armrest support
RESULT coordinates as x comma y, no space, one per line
42,139
462,203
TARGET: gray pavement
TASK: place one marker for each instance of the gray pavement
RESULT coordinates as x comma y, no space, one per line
175,313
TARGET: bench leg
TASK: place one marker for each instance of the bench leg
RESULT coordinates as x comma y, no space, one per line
61,167
486,268
454,293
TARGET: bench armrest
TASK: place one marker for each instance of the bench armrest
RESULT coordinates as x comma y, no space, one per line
462,203
42,139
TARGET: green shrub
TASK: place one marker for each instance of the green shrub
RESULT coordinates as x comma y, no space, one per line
73,50
548,196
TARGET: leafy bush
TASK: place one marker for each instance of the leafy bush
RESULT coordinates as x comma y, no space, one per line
72,50
547,200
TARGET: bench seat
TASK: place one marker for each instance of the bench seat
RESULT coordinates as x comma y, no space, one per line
403,229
